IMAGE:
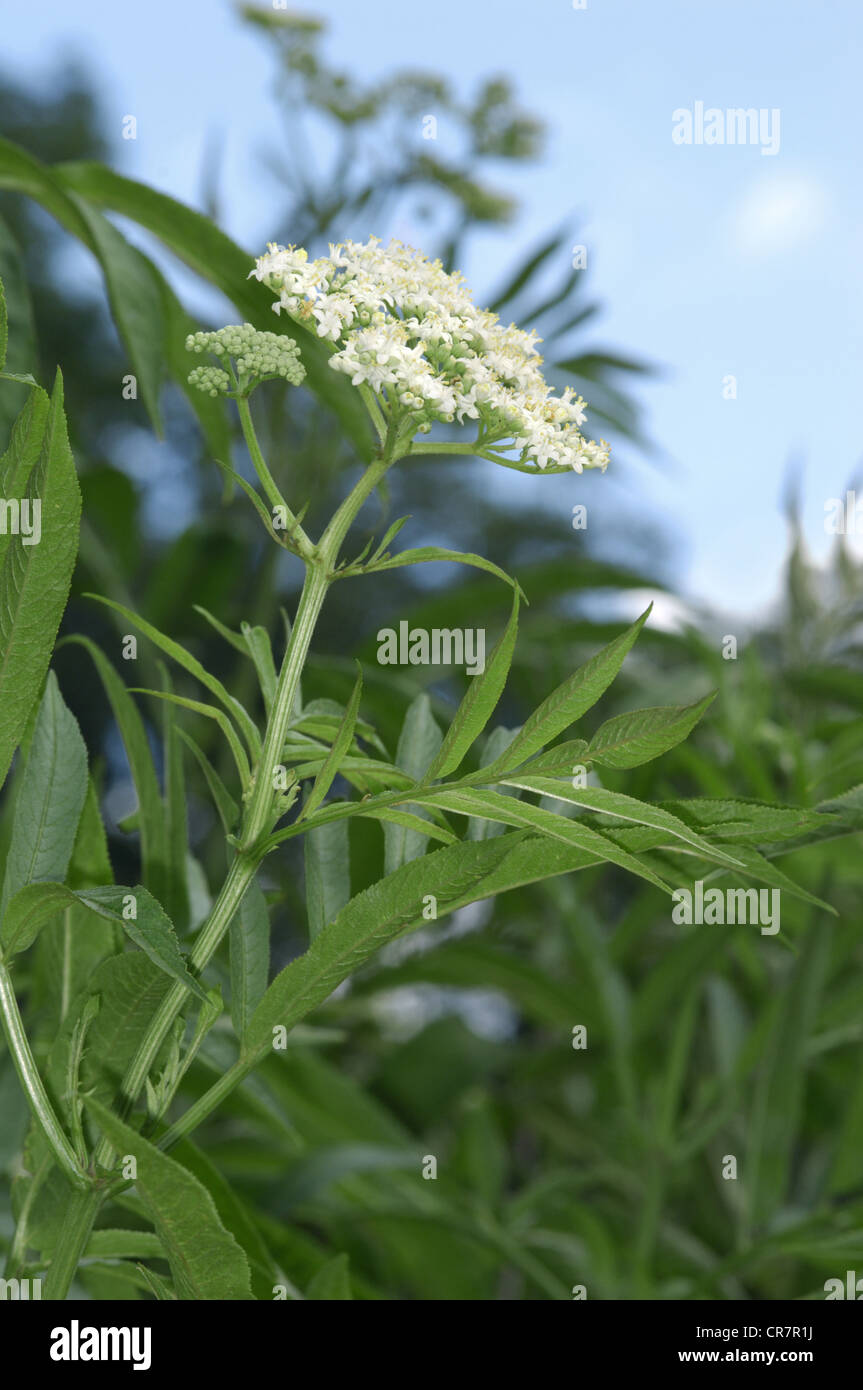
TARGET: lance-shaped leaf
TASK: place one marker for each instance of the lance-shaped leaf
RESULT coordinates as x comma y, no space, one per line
194,667
229,812
419,742
257,641
630,739
35,578
4,327
210,712
150,927
51,798
493,806
343,740
151,822
250,957
479,702
428,554
626,808
327,858
205,1259
577,694
366,923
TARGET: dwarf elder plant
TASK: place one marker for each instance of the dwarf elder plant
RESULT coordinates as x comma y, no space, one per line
486,810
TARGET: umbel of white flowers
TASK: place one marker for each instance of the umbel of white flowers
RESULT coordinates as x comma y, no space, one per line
248,357
405,328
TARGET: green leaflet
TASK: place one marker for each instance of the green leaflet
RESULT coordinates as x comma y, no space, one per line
177,898
626,808
479,702
430,553
210,712
35,579
50,799
328,874
572,698
250,957
342,742
150,928
152,824
228,810
491,805
194,667
257,641
4,328
205,1259
332,1280
419,743
628,740
366,923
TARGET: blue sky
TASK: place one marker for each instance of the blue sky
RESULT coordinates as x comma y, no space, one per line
716,260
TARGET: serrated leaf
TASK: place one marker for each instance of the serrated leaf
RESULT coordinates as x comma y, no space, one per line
194,668
51,798
327,871
366,923
250,957
429,554
206,1261
626,808
342,742
151,823
151,929
419,742
572,698
628,740
492,805
229,812
35,579
479,702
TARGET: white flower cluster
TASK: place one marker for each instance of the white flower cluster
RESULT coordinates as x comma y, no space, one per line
411,332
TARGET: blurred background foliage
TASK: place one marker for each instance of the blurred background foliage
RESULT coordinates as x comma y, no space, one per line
556,1167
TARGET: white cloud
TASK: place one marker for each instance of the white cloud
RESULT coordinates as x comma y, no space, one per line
781,212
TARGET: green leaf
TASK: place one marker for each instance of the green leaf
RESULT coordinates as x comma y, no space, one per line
773,1125
194,667
626,808
257,641
35,579
177,897
628,740
151,928
209,712
419,743
572,698
479,703
206,1261
250,957
51,798
366,923
491,805
421,828
328,878
332,1281
430,553
151,821
343,740
229,812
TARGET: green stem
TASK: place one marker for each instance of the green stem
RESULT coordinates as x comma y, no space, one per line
304,546
31,1081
